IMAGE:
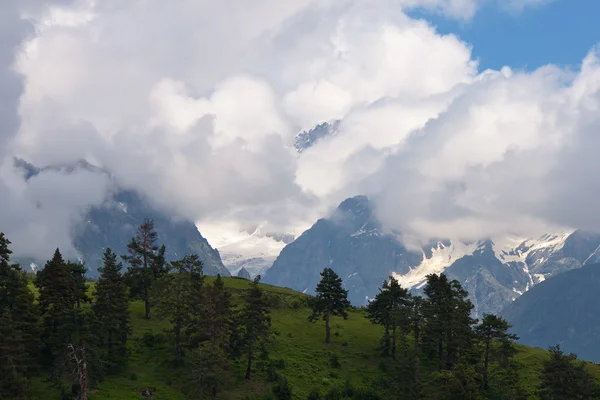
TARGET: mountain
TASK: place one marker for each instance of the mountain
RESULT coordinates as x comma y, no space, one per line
114,222
306,139
242,273
494,271
561,310
254,251
351,242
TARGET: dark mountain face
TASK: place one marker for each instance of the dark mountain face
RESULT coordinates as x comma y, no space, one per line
561,310
350,242
115,222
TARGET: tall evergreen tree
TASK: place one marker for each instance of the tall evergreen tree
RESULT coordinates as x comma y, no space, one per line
13,359
17,299
255,324
218,314
390,309
331,300
78,271
175,293
57,296
494,329
159,265
142,255
564,378
449,322
111,307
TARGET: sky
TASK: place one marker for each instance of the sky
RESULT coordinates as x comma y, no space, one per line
461,119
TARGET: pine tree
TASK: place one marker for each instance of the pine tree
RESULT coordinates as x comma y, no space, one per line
218,314
142,255
207,366
175,293
159,265
448,314
564,378
390,308
494,329
57,297
111,308
18,299
13,380
331,300
255,324
78,271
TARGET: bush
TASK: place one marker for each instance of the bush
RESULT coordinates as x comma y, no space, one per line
334,394
314,394
334,360
282,389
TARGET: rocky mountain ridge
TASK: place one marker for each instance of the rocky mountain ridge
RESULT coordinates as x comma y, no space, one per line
494,271
114,222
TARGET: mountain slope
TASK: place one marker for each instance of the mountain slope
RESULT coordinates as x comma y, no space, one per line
494,271
352,243
115,221
561,310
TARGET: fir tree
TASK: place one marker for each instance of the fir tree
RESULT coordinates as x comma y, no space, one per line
142,255
111,308
217,314
494,329
331,300
13,380
18,299
207,366
255,324
448,314
175,293
390,309
57,297
78,271
564,378
159,265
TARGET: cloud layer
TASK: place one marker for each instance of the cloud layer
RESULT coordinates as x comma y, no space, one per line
197,105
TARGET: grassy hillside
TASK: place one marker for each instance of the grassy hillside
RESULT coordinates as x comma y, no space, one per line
298,347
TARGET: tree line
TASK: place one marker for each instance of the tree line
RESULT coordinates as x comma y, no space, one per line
431,346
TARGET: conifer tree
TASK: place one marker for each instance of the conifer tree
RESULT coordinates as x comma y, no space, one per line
57,297
18,299
175,292
159,265
218,313
255,324
390,308
13,380
111,308
494,329
142,255
78,271
448,313
331,300
564,378
208,365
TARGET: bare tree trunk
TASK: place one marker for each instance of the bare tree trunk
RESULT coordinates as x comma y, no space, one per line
80,369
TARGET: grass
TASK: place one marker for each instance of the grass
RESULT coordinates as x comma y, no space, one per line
298,347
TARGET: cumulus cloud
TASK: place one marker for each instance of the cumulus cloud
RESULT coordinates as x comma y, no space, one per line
196,105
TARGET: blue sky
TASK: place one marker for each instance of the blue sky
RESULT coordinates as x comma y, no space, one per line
561,32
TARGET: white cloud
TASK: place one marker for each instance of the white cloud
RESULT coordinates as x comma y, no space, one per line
196,105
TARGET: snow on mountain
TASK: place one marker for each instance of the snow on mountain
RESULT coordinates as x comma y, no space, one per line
443,255
529,254
254,251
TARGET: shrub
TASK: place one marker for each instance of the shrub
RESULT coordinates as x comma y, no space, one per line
282,389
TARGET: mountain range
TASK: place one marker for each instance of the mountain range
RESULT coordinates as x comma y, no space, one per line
114,222
494,271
